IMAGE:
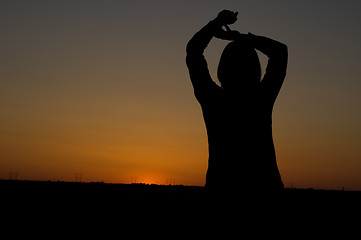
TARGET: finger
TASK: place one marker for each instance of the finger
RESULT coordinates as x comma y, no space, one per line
226,13
227,28
234,16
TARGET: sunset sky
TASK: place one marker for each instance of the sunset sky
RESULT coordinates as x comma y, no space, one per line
101,88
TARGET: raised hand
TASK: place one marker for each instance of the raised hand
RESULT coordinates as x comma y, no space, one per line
226,17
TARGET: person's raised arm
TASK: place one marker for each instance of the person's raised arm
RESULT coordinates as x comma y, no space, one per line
277,64
196,62
201,39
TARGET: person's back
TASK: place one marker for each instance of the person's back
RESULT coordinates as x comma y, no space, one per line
238,115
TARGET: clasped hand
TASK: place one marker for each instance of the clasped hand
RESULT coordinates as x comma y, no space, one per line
226,18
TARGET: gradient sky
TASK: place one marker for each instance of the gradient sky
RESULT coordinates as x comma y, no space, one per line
101,88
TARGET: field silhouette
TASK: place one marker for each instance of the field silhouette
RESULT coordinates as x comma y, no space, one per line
70,193
154,210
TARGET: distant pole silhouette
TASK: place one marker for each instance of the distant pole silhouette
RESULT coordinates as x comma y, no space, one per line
170,181
133,180
13,175
78,177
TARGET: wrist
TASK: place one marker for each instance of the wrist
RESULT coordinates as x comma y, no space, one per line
215,26
217,22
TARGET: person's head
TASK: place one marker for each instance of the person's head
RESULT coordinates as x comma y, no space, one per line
239,66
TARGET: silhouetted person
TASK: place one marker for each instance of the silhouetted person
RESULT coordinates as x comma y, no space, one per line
238,115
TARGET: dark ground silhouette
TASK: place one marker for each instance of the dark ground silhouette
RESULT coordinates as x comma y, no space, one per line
27,189
56,195
238,114
85,209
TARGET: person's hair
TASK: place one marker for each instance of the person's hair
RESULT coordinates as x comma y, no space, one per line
239,65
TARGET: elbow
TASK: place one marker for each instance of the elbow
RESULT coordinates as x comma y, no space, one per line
194,47
284,58
280,53
190,47
283,51
188,53
193,52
